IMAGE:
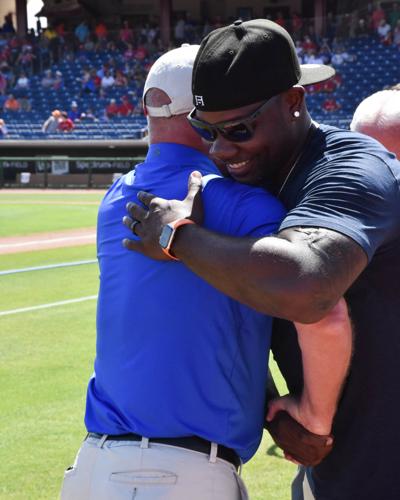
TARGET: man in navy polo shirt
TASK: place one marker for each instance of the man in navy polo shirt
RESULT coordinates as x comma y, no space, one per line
341,236
177,398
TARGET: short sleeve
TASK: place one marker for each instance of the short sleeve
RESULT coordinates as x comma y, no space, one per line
358,198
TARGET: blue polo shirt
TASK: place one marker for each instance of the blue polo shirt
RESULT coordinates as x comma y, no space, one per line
176,357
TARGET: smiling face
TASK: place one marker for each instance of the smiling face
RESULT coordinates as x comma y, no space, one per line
267,153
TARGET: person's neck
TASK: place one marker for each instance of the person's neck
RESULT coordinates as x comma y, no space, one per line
301,142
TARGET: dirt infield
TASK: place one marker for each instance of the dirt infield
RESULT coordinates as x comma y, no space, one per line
42,241
55,239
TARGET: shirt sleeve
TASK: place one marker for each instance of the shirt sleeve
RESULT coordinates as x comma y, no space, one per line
239,210
359,199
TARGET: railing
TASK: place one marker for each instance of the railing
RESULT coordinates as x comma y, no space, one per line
56,171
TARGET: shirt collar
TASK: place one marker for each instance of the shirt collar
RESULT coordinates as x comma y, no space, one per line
171,153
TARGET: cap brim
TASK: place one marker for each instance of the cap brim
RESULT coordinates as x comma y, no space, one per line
315,73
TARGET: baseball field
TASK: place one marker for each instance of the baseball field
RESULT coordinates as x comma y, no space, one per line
48,284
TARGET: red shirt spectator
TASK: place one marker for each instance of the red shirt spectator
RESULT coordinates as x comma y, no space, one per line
333,83
280,20
101,31
141,53
126,108
112,109
330,105
376,17
65,124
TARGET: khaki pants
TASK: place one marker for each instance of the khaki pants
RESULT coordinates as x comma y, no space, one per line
129,470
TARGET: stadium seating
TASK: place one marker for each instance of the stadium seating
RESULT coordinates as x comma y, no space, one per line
375,66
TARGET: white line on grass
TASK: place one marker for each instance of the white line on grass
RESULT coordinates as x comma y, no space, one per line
49,240
49,266
45,306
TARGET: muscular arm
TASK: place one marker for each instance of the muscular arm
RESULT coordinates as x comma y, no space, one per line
298,275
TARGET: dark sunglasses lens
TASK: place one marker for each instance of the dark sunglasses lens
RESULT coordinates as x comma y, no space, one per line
205,132
237,133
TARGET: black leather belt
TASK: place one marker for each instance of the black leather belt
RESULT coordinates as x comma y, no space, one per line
191,443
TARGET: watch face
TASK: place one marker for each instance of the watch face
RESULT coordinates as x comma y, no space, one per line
165,236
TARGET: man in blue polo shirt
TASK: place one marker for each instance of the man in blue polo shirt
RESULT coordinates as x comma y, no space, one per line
177,398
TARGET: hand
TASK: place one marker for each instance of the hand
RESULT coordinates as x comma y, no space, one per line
148,224
299,444
300,411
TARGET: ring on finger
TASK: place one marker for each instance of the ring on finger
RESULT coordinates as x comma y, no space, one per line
133,226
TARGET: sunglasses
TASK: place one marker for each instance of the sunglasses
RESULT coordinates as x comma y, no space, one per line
233,130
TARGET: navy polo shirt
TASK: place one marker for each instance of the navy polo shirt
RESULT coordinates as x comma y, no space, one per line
175,357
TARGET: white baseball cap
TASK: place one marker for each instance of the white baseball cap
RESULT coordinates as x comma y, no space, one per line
172,73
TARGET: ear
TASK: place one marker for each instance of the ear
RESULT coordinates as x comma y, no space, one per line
294,100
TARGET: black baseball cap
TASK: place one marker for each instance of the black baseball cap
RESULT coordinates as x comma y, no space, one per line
247,62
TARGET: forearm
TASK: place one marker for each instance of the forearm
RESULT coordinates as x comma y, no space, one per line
326,352
273,275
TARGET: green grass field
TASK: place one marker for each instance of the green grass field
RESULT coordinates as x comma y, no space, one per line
46,358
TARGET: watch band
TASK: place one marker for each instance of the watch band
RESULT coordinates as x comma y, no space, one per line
171,228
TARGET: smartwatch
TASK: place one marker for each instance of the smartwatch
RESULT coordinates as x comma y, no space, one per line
168,234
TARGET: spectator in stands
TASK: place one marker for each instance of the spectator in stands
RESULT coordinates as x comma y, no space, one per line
120,79
333,83
22,85
65,124
330,105
126,33
126,108
25,60
12,104
58,81
309,44
296,22
378,116
74,114
280,19
3,129
50,126
394,15
384,32
376,17
82,32
361,28
8,26
129,53
90,81
112,109
3,84
47,80
396,35
341,56
107,82
179,31
101,31
300,51
325,52
88,116
25,103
